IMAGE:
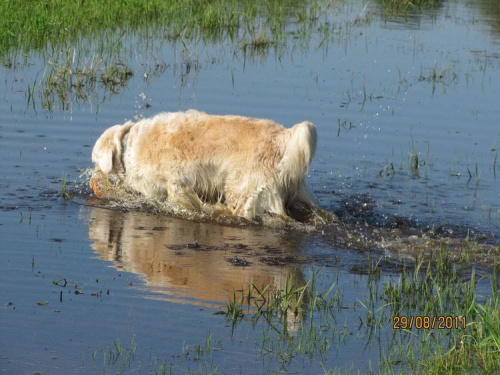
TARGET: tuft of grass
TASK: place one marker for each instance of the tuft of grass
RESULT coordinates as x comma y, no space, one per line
269,302
234,309
65,194
415,163
69,78
404,6
115,356
297,315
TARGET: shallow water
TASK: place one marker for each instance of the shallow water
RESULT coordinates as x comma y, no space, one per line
77,277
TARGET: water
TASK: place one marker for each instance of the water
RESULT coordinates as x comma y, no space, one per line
76,278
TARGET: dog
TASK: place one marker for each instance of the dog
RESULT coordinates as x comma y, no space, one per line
251,166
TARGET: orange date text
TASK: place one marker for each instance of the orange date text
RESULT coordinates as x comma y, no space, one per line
429,322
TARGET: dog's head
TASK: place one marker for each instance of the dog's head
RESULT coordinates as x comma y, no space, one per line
107,157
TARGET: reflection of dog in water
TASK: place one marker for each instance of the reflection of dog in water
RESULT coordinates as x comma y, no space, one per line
252,166
221,260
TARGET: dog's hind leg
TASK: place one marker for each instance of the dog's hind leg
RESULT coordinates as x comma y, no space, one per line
184,196
250,209
241,205
264,199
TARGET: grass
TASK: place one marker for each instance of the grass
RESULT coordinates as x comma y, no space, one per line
464,338
296,318
405,6
270,302
443,289
33,25
299,324
65,194
119,359
444,76
415,163
258,46
70,79
88,46
115,356
234,309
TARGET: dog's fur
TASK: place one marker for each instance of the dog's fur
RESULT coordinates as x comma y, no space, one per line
252,166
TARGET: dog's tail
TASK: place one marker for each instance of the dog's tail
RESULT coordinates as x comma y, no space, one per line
298,153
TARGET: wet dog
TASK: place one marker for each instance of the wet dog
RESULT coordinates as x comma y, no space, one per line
251,166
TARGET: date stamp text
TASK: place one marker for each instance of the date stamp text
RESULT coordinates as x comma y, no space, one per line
429,322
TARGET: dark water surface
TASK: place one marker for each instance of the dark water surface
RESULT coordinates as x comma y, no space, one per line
78,281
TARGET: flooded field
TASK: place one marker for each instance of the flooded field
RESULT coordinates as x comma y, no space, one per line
407,111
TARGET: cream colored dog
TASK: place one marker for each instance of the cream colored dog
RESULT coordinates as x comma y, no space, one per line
252,166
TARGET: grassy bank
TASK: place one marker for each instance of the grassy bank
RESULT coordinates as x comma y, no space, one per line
36,24
88,47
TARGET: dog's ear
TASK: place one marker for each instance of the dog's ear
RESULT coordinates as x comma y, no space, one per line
108,148
105,162
119,146
102,153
